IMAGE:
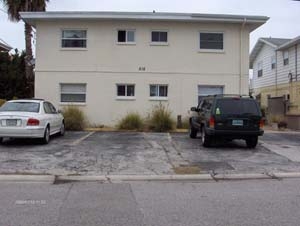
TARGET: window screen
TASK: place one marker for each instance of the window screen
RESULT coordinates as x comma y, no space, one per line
211,41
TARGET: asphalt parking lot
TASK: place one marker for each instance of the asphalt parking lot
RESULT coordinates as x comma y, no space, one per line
137,153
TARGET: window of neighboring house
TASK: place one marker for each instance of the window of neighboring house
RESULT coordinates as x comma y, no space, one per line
73,93
273,62
158,90
74,39
259,69
159,36
126,36
125,90
285,57
211,41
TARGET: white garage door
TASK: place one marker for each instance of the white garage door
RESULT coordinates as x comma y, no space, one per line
209,90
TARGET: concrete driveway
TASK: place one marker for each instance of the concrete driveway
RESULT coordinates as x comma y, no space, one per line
133,153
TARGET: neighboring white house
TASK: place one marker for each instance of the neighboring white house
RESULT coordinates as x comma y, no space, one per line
275,64
4,46
111,63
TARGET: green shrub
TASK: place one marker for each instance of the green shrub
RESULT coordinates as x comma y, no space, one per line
160,119
74,118
2,101
131,121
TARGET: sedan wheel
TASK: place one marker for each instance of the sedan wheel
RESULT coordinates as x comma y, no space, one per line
46,137
1,140
62,129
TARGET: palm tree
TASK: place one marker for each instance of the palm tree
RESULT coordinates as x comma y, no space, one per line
14,7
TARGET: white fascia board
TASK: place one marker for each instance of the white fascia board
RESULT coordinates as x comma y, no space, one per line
32,17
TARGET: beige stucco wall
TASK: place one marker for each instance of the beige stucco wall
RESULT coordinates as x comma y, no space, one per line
292,89
104,63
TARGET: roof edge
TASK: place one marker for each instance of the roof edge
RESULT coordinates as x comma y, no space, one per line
256,49
31,17
5,46
289,44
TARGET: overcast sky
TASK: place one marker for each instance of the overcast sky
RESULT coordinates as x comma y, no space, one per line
284,14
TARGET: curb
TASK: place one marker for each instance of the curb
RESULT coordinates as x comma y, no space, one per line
131,178
285,132
27,178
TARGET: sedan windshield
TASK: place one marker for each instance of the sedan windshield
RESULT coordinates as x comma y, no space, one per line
21,106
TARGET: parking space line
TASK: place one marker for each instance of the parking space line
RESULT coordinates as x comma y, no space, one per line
78,141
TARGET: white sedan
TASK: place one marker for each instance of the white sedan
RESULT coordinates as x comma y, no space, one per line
30,119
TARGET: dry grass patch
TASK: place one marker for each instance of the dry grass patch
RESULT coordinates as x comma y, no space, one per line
187,170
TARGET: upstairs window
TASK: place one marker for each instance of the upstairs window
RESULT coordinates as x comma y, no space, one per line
285,57
159,36
74,39
211,41
259,69
158,90
126,36
125,90
273,62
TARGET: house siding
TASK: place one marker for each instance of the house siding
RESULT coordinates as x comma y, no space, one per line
105,63
268,77
284,70
269,85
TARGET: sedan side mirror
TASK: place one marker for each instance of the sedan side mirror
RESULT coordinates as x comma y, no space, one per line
59,111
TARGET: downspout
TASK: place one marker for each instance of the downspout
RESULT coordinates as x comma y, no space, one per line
296,61
241,54
276,73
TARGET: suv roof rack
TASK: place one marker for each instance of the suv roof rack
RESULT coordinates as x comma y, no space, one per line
231,95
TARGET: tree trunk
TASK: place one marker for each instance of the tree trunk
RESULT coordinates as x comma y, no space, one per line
28,60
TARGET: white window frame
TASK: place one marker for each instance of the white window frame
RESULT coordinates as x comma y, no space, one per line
159,43
273,62
157,97
73,29
260,68
202,50
125,97
73,103
126,36
285,57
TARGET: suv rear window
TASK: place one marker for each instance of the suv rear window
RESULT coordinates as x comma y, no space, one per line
236,106
21,106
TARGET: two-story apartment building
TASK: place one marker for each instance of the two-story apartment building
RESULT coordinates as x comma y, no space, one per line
275,63
111,63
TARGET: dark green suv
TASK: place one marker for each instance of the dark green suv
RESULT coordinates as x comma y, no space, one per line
227,117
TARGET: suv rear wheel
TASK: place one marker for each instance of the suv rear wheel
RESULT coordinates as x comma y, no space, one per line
192,132
252,142
205,138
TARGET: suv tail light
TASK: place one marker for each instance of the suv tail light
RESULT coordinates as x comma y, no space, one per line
261,123
212,122
33,122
